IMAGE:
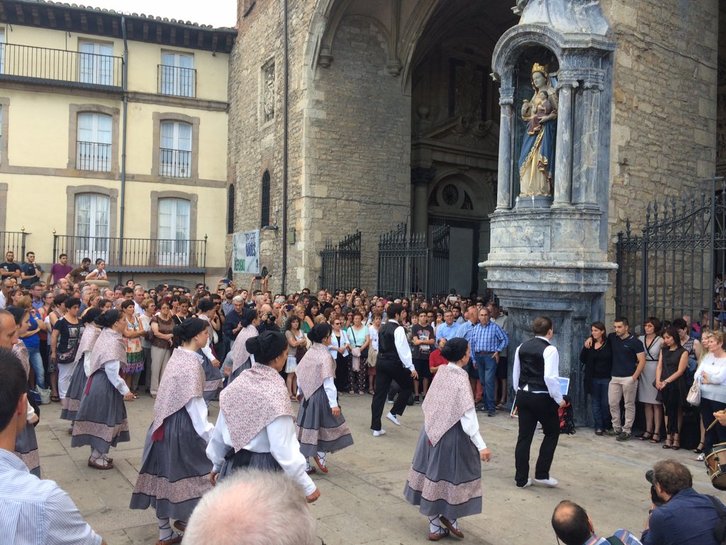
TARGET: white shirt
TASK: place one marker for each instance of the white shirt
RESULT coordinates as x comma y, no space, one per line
334,345
331,392
278,438
373,332
197,410
402,346
112,369
551,372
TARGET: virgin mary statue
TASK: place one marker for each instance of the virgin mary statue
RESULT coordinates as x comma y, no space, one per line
537,160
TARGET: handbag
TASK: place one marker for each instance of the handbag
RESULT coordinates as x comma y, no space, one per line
372,357
693,397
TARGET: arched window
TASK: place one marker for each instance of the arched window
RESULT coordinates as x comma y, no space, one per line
265,213
230,209
92,226
174,231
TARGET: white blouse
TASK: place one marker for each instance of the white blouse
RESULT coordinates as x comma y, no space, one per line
334,345
470,425
112,369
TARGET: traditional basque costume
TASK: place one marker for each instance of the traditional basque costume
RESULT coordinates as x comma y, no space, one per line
26,443
318,430
241,358
175,470
255,428
445,475
72,402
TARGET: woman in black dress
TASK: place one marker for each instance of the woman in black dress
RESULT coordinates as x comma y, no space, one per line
671,382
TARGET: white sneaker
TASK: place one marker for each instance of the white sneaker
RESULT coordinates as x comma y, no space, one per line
550,483
525,485
701,457
378,433
393,418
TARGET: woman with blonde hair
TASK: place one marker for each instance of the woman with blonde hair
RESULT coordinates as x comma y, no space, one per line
711,375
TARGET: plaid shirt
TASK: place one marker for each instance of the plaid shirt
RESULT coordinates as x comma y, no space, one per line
488,338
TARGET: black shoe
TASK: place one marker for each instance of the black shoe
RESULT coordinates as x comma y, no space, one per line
492,413
481,408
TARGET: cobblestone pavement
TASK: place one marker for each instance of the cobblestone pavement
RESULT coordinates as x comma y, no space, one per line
361,498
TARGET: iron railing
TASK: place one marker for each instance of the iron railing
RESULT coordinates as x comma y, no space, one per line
677,264
43,64
93,156
176,81
341,263
136,254
175,163
408,264
13,241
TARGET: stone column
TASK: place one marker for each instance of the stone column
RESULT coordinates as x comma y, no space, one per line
420,178
506,148
587,142
563,154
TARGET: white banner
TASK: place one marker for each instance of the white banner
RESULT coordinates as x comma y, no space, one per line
246,252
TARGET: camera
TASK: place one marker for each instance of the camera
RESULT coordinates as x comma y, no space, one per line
269,317
657,500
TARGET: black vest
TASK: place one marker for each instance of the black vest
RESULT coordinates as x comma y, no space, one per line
531,365
387,343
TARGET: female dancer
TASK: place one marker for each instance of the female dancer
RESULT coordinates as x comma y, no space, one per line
445,475
174,468
241,358
101,421
255,426
26,443
72,401
321,426
210,364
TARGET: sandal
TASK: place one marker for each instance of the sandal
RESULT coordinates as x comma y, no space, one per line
676,443
655,438
668,442
99,463
699,448
449,526
645,435
55,398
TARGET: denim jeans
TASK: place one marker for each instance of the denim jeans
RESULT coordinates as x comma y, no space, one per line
36,362
600,405
487,368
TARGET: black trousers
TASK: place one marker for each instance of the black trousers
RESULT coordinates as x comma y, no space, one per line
387,371
535,408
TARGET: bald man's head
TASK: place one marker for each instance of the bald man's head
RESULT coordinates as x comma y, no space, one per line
255,508
571,523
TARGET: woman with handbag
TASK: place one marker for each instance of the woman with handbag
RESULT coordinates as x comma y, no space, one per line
340,351
296,348
671,383
360,341
711,376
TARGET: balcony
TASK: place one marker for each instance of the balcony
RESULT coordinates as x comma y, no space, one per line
42,65
13,241
93,156
176,81
175,163
136,255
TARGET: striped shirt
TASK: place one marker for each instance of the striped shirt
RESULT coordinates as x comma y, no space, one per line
488,338
37,512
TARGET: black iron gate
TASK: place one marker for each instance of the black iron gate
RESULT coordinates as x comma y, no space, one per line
408,264
676,265
341,264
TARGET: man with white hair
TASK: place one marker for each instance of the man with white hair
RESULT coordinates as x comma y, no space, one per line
255,508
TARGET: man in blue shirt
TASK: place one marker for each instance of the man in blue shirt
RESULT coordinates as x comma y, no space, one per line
487,341
447,330
32,511
686,517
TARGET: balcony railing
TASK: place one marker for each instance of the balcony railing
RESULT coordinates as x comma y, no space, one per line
176,81
93,156
13,241
43,65
136,255
175,163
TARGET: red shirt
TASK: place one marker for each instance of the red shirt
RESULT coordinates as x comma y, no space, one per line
436,359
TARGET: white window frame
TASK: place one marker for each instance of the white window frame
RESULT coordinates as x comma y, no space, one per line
177,74
94,148
91,236
175,149
95,62
174,221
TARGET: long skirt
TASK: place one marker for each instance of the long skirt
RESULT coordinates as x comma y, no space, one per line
264,461
26,448
101,421
246,365
174,470
646,391
213,379
445,479
72,402
318,429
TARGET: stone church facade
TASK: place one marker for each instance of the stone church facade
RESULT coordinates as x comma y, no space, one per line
364,114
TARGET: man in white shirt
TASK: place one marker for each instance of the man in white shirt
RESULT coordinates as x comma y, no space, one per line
32,511
536,368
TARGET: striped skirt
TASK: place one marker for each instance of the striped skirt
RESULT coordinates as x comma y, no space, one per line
72,402
26,448
318,429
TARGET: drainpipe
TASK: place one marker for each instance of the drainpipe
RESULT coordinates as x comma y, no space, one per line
124,123
285,123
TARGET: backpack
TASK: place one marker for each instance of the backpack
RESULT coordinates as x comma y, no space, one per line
567,417
719,531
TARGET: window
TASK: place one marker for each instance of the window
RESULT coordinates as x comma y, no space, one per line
93,143
230,209
177,75
265,213
267,93
174,232
91,227
96,63
175,154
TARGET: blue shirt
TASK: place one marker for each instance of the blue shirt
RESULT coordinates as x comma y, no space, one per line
488,338
34,511
445,331
623,535
687,519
